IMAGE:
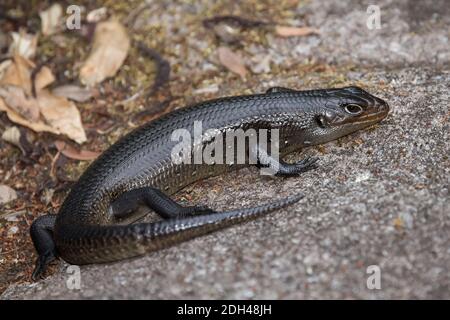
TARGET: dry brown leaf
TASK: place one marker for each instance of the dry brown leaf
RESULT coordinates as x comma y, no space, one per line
19,74
43,78
283,31
73,153
38,126
232,61
109,50
14,136
97,15
16,99
23,44
51,19
4,66
7,194
62,115
73,92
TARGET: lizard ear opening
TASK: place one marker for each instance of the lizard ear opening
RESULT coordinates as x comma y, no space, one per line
321,121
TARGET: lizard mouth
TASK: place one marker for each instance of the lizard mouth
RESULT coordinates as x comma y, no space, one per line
324,122
374,117
365,121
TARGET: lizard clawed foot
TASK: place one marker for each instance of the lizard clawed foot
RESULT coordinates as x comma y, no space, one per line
41,264
307,164
294,169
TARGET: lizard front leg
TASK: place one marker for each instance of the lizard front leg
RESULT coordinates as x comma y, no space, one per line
282,168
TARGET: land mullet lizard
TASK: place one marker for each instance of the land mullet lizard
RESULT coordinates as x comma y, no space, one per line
94,222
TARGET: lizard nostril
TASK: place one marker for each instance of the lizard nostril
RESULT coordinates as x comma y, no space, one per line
383,106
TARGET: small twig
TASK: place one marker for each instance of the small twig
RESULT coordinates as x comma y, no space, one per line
130,99
53,169
233,20
155,110
134,13
13,250
163,68
18,211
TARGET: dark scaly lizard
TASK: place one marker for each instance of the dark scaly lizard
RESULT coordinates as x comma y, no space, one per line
93,223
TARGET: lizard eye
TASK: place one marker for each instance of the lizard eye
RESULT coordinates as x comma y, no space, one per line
353,109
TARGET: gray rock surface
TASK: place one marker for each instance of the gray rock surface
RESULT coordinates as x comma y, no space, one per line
380,197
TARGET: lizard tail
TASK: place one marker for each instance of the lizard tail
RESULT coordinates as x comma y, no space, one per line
98,244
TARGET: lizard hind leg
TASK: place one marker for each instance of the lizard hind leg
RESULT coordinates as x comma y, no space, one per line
41,232
155,199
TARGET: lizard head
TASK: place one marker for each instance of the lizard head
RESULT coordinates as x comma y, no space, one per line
343,111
